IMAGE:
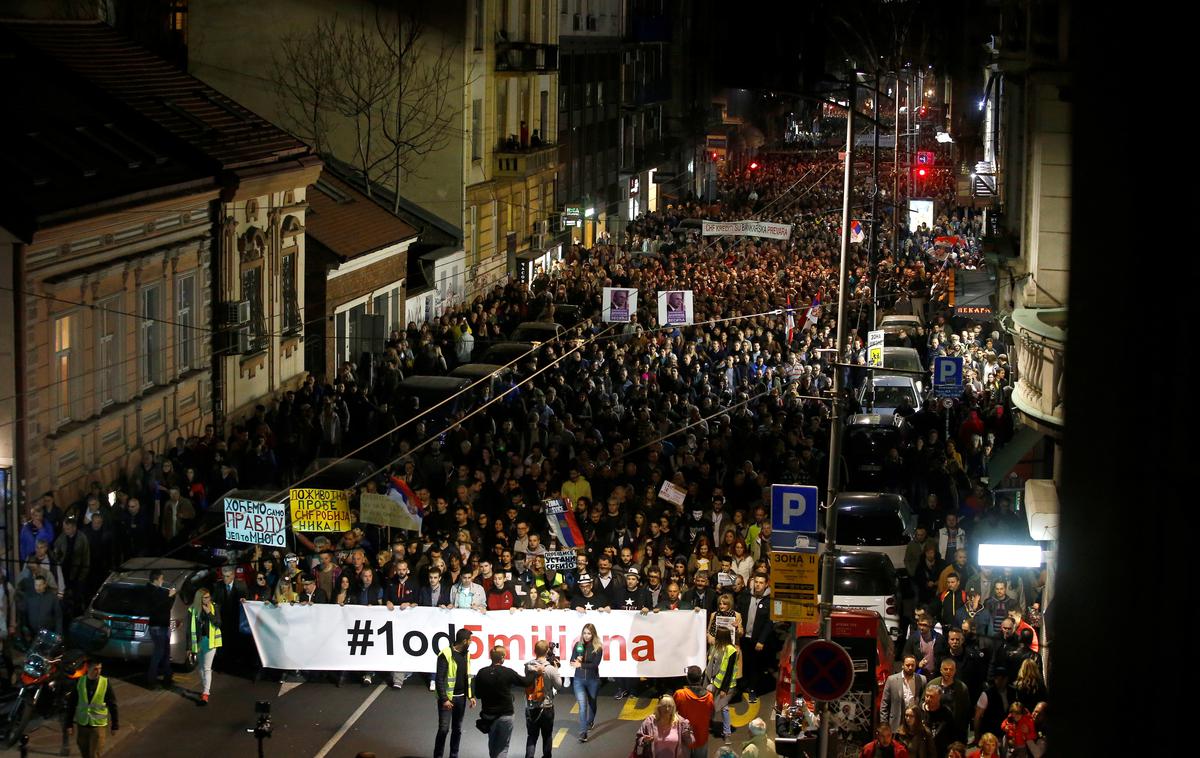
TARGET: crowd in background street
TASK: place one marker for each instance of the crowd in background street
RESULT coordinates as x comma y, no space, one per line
722,408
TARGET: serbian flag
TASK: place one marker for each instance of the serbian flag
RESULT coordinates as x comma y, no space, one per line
410,506
562,523
856,231
814,311
791,319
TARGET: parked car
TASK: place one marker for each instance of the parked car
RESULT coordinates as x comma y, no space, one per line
908,321
436,398
495,378
506,353
908,360
868,438
123,606
896,328
337,473
873,522
537,332
869,581
884,392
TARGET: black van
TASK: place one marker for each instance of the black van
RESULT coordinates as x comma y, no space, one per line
435,399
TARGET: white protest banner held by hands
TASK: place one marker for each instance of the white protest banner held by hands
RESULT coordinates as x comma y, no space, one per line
255,522
372,638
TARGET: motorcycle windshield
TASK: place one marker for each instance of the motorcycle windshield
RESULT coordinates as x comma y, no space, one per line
46,643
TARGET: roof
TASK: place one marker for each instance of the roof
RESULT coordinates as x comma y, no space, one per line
68,150
881,500
348,223
434,231
191,111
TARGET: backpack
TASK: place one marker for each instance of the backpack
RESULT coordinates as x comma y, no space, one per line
535,694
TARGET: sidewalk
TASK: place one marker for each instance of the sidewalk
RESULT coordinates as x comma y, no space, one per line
138,707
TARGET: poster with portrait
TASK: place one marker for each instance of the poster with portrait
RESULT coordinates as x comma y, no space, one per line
618,304
674,307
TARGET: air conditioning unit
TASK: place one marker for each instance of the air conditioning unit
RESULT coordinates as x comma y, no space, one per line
242,335
236,312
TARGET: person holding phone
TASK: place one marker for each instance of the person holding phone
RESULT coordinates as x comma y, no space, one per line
586,655
205,638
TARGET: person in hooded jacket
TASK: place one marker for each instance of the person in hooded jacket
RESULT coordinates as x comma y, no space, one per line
695,703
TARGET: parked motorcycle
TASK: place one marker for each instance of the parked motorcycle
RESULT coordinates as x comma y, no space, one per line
48,674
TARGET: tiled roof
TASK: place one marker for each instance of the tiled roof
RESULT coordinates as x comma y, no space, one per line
68,150
226,132
349,223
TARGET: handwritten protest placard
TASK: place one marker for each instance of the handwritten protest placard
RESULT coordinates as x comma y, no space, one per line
320,510
255,522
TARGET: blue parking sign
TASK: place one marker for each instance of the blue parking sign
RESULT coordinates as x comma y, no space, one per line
947,376
794,508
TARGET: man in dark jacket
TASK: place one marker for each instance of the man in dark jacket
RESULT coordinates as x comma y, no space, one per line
161,601
493,687
227,598
755,609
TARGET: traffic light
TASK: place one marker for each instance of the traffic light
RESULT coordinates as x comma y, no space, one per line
753,165
922,173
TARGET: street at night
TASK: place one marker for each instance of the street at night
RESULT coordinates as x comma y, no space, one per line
648,378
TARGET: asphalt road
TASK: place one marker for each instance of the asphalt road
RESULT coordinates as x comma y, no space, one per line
321,720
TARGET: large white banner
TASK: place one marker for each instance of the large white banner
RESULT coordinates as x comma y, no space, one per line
746,229
372,638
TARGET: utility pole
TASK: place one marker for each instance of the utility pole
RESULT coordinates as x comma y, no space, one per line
896,173
829,560
873,256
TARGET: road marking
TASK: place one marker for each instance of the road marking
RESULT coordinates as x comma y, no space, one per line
341,732
749,711
575,708
558,738
286,687
631,711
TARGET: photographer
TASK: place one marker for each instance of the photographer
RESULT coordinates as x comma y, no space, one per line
539,698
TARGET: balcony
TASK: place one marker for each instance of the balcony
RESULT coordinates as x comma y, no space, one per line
1040,335
526,57
523,162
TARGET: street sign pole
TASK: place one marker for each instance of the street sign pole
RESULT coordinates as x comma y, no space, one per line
835,426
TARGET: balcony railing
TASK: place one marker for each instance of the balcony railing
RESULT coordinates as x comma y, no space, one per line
516,161
526,57
1041,336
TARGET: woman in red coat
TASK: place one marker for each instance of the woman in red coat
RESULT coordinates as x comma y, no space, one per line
1018,729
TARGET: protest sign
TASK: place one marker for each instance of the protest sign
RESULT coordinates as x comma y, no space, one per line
617,304
562,560
255,522
746,229
372,638
320,510
672,493
675,307
384,510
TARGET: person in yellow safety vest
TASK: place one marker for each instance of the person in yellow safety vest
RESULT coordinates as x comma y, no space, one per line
91,707
722,668
205,636
452,681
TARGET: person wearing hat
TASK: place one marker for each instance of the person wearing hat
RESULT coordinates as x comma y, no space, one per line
631,597
585,597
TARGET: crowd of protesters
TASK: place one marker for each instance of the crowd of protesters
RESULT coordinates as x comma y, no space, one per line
722,408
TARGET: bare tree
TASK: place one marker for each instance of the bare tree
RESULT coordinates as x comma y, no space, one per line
334,77
424,113
391,84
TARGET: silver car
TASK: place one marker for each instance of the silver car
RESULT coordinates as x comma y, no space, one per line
123,606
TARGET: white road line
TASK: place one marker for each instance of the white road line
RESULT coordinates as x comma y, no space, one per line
341,732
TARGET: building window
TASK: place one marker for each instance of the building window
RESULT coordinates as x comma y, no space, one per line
252,291
185,323
476,130
291,304
108,351
67,373
479,19
151,337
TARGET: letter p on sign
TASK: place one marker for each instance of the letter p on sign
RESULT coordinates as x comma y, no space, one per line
794,508
947,371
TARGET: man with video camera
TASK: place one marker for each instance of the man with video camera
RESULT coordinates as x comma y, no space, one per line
493,686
